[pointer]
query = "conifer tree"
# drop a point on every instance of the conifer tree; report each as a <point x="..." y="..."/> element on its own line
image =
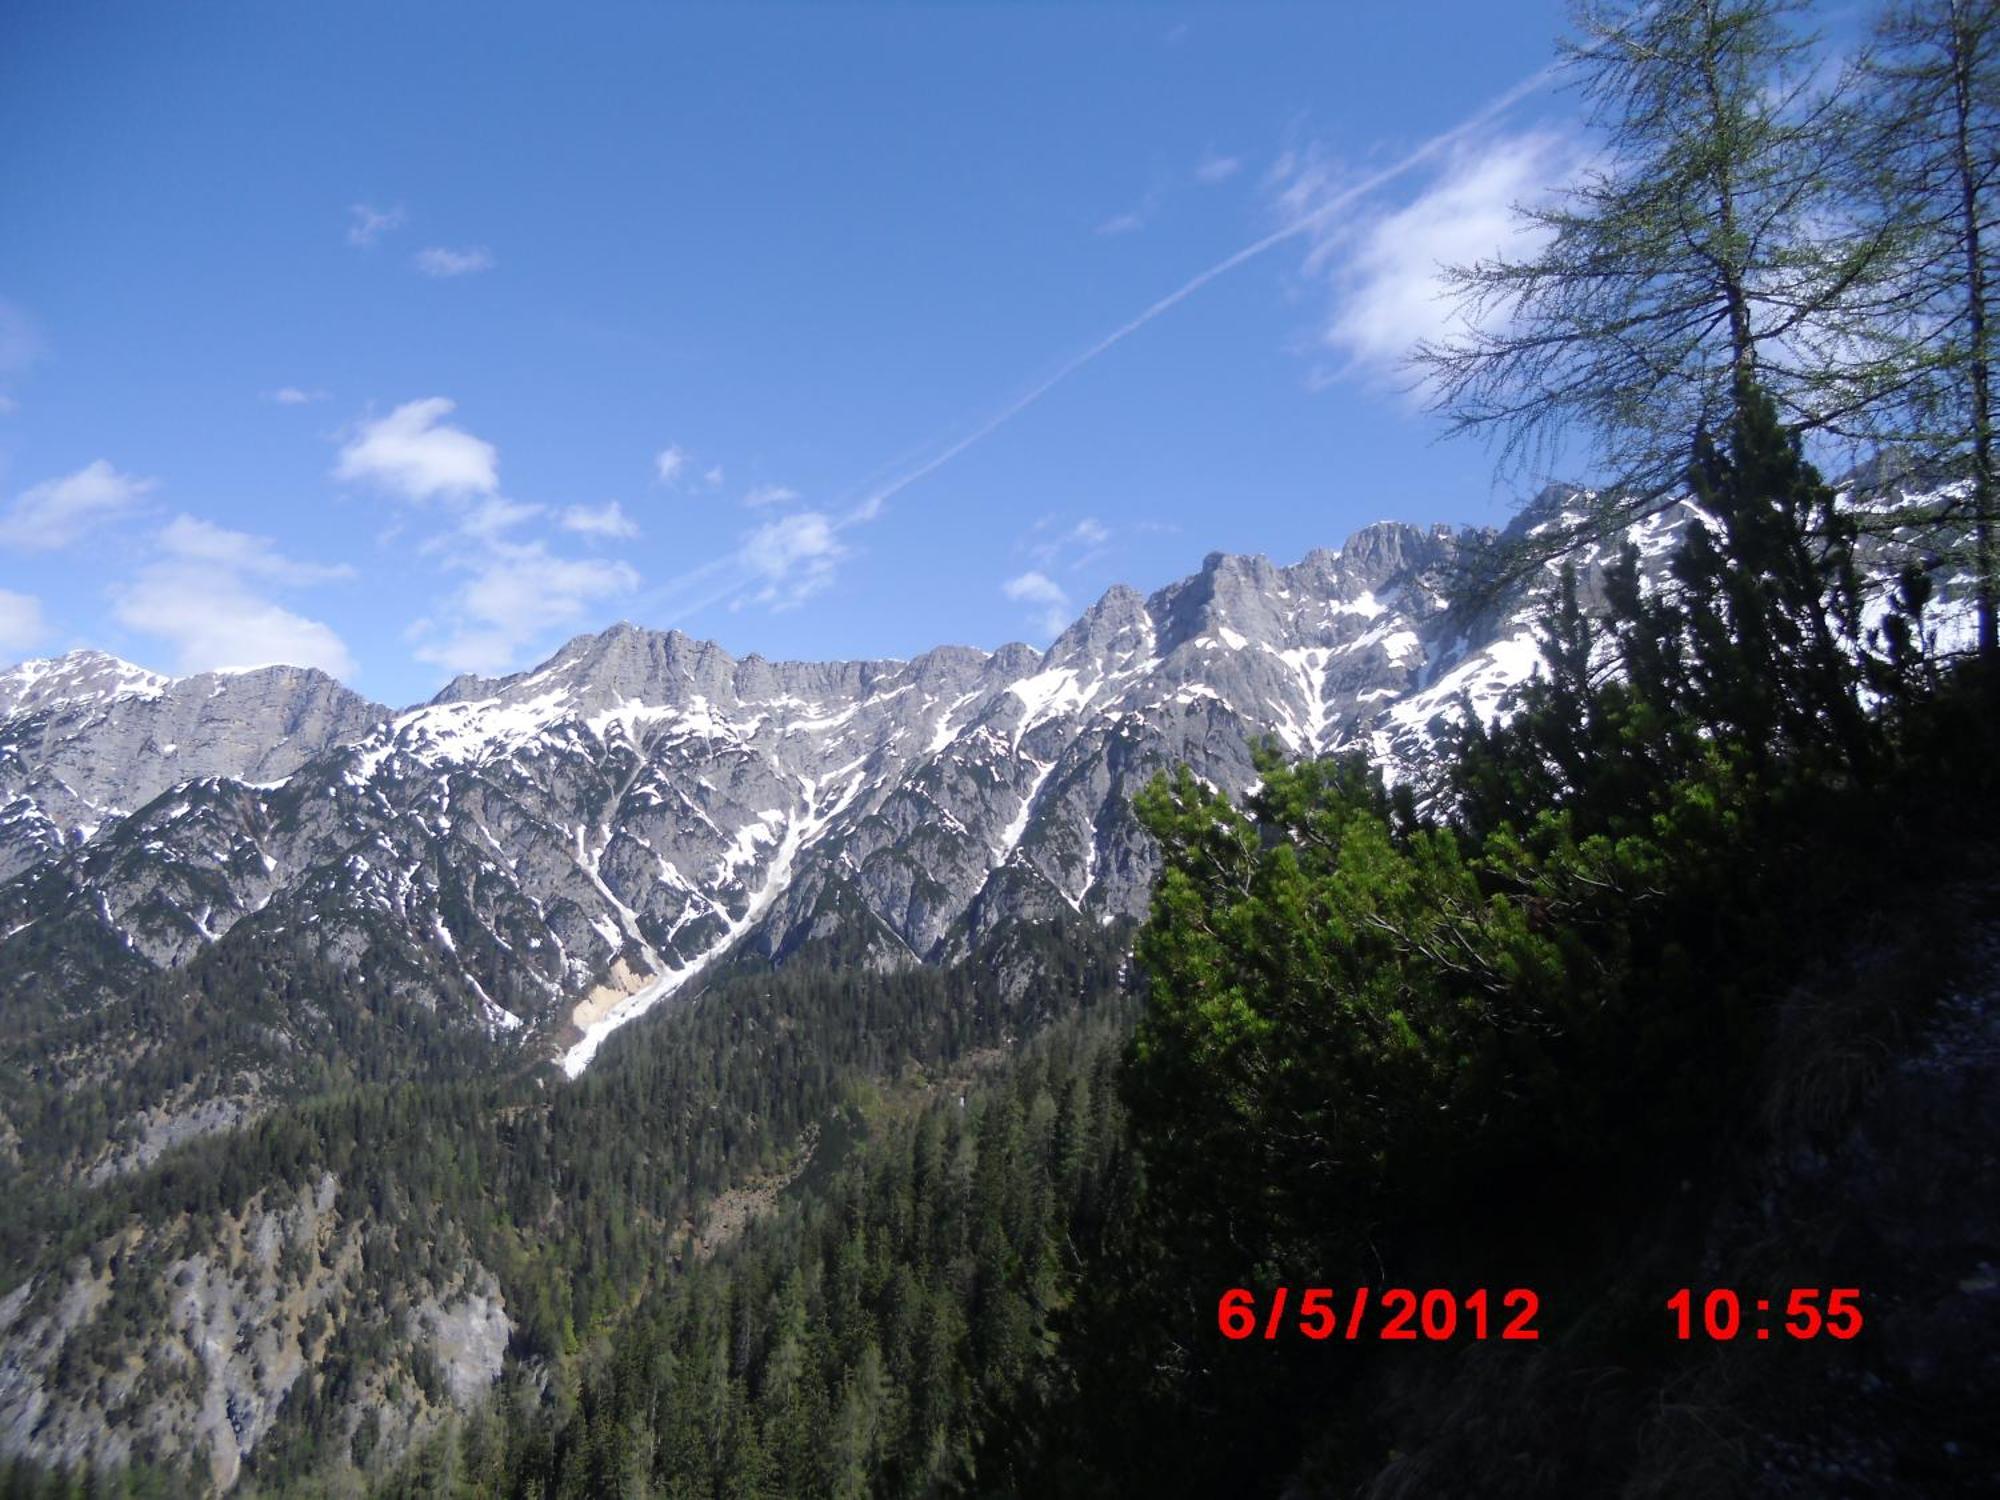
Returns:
<point x="1706" y="245"/>
<point x="1928" y="160"/>
<point x="1756" y="652"/>
<point x="1772" y="607"/>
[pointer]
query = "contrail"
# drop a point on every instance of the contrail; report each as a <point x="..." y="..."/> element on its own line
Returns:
<point x="870" y="507"/>
<point x="653" y="598"/>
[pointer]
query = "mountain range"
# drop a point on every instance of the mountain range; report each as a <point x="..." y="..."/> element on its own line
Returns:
<point x="242" y="897"/>
<point x="547" y="855"/>
<point x="564" y="848"/>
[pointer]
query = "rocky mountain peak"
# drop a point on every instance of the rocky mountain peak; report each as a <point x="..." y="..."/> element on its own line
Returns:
<point x="947" y="666"/>
<point x="581" y="840"/>
<point x="1114" y="631"/>
<point x="84" y="676"/>
<point x="87" y="738"/>
<point x="1389" y="551"/>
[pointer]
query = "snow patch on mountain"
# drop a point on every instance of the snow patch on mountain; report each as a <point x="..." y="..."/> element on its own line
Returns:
<point x="800" y="831"/>
<point x="600" y="831"/>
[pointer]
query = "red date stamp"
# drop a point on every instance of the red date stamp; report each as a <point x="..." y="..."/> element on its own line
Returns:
<point x="1396" y="1314"/>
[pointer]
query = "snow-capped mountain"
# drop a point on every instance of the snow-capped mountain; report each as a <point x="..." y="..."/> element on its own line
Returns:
<point x="557" y="851"/>
<point x="87" y="738"/>
<point x="236" y="892"/>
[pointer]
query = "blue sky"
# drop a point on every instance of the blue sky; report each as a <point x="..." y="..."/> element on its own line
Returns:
<point x="407" y="340"/>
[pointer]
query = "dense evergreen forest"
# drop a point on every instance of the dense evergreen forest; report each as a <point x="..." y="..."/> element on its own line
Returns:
<point x="576" y="1197"/>
<point x="1679" y="976"/>
<point x="1672" y="920"/>
<point x="1544" y="1026"/>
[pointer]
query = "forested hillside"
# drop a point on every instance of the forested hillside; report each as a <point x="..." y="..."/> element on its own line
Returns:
<point x="1613" y="981"/>
<point x="1699" y="960"/>
<point x="411" y="1234"/>
<point x="1677" y="973"/>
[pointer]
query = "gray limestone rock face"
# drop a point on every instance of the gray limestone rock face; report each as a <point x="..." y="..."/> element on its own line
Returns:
<point x="560" y="848"/>
<point x="529" y="862"/>
<point x="86" y="739"/>
<point x="623" y="813"/>
<point x="240" y="1321"/>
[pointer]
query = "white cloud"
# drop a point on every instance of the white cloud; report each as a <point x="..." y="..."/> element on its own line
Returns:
<point x="793" y="558"/>
<point x="518" y="591"/>
<point x="713" y="478"/>
<point x="515" y="590"/>
<point x="411" y="452"/>
<point x="1035" y="588"/>
<point x="497" y="516"/>
<point x="366" y="224"/>
<point x="292" y="395"/>
<point x="770" y="494"/>
<point x="669" y="462"/>
<point x="1383" y="270"/>
<point x="530" y="586"/>
<point x="1213" y="167"/>
<point x="1325" y="207"/>
<point x="1073" y="545"/>
<point x="608" y="521"/>
<point x="212" y="628"/>
<point x="8" y="405"/>
<point x="438" y="260"/>
<point x="205" y="595"/>
<point x="21" y="627"/>
<point x="1140" y="215"/>
<point x="58" y="511"/>
<point x="191" y="539"/>
<point x="1050" y="600"/>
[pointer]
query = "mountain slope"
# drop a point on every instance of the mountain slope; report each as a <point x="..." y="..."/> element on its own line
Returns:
<point x="548" y="855"/>
<point x="86" y="738"/>
<point x="353" y="977"/>
<point x="579" y="841"/>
